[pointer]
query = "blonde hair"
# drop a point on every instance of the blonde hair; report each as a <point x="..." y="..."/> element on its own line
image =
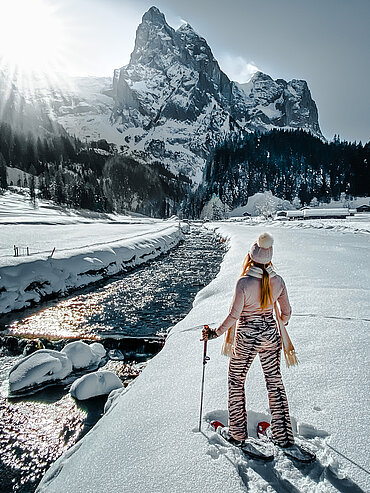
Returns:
<point x="266" y="294"/>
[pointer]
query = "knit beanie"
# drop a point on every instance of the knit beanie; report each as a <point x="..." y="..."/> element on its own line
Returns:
<point x="261" y="250"/>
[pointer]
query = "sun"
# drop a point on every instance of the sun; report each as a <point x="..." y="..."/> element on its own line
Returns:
<point x="32" y="36"/>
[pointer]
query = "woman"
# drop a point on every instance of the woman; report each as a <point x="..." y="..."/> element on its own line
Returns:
<point x="258" y="288"/>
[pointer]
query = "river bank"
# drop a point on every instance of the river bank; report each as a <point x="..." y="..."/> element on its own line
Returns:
<point x="152" y="430"/>
<point x="126" y="313"/>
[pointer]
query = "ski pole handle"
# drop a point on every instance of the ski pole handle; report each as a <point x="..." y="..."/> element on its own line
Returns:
<point x="207" y="328"/>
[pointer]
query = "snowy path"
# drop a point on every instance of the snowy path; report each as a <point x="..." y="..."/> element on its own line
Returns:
<point x="148" y="440"/>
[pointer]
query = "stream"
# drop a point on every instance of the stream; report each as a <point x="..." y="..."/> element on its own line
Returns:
<point x="132" y="312"/>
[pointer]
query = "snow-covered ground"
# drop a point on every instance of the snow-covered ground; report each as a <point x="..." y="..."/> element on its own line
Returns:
<point x="17" y="208"/>
<point x="88" y="246"/>
<point x="149" y="441"/>
<point x="266" y="203"/>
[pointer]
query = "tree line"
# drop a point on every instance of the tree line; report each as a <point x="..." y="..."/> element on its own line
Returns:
<point x="91" y="175"/>
<point x="293" y="165"/>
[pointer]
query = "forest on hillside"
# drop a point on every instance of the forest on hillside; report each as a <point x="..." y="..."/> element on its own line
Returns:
<point x="293" y="165"/>
<point x="91" y="175"/>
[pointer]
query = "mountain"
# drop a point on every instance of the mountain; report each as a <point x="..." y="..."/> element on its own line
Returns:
<point x="278" y="103"/>
<point x="172" y="102"/>
<point x="19" y="109"/>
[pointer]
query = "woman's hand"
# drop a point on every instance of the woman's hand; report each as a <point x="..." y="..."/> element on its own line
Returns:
<point x="208" y="333"/>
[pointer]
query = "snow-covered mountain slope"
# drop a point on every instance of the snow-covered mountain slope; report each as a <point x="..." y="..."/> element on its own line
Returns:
<point x="172" y="102"/>
<point x="81" y="105"/>
<point x="149" y="439"/>
<point x="173" y="99"/>
<point x="21" y="109"/>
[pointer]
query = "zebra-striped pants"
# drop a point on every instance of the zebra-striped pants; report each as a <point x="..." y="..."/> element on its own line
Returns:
<point x="258" y="336"/>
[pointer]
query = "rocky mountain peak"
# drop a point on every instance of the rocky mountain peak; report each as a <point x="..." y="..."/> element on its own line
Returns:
<point x="173" y="101"/>
<point x="153" y="36"/>
<point x="155" y="16"/>
<point x="260" y="76"/>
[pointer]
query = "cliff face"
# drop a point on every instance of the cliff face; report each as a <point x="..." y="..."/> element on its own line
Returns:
<point x="173" y="101"/>
<point x="280" y="103"/>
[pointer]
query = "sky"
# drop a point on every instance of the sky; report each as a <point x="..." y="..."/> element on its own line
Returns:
<point x="325" y="42"/>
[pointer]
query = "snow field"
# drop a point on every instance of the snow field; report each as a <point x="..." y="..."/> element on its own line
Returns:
<point x="31" y="280"/>
<point x="152" y="429"/>
<point x="17" y="208"/>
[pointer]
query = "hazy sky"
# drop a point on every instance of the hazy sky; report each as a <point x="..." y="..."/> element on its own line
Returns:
<point x="325" y="42"/>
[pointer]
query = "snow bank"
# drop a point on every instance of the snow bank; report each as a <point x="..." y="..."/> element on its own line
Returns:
<point x="94" y="384"/>
<point x="29" y="282"/>
<point x="152" y="428"/>
<point x="83" y="355"/>
<point x="43" y="367"/>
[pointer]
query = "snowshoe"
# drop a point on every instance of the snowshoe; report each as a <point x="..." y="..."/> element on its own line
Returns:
<point x="224" y="432"/>
<point x="293" y="451"/>
<point x="252" y="448"/>
<point x="258" y="449"/>
<point x="298" y="453"/>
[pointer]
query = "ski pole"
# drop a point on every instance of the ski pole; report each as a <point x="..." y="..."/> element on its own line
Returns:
<point x="205" y="359"/>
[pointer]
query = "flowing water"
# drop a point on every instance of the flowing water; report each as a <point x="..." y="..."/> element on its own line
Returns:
<point x="126" y="312"/>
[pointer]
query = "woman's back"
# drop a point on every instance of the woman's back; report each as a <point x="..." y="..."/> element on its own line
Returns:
<point x="247" y="301"/>
<point x="251" y="290"/>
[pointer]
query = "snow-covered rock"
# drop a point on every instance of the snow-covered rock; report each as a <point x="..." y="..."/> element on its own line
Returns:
<point x="83" y="355"/>
<point x="41" y="368"/>
<point x="94" y="384"/>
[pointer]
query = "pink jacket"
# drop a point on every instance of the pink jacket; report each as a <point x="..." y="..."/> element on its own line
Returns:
<point x="246" y="302"/>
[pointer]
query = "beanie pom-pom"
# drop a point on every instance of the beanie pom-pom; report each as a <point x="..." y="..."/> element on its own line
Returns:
<point x="265" y="240"/>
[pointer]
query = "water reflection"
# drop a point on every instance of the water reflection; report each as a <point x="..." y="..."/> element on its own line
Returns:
<point x="140" y="303"/>
<point x="35" y="431"/>
<point x="33" y="435"/>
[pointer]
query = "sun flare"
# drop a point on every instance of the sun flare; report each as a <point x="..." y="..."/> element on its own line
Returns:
<point x="32" y="36"/>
